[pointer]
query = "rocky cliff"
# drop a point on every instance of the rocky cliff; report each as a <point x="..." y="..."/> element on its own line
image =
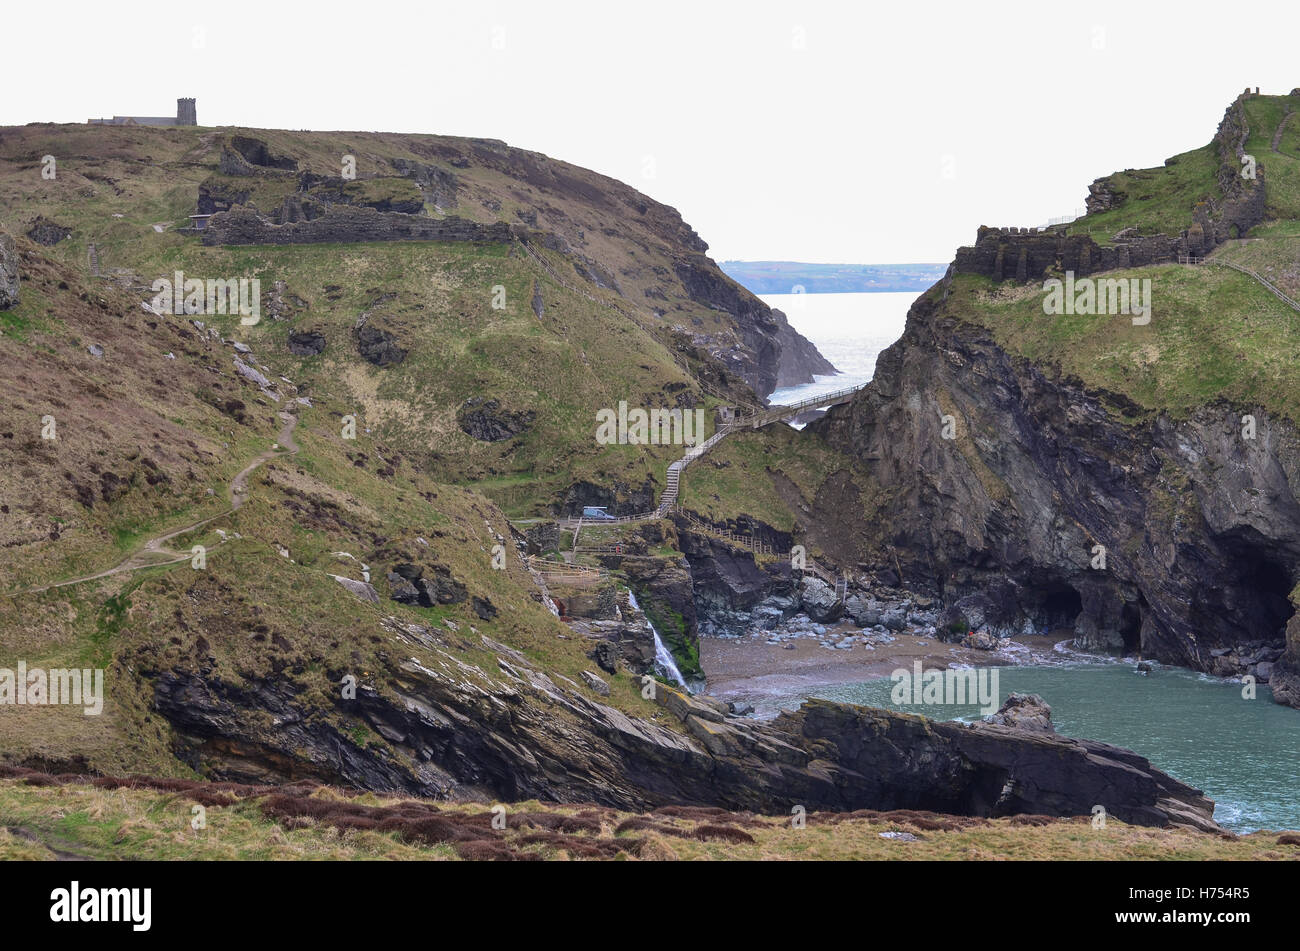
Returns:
<point x="1200" y="527"/>
<point x="1152" y="508"/>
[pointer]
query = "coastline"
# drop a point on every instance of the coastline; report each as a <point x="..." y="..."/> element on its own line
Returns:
<point x="769" y="677"/>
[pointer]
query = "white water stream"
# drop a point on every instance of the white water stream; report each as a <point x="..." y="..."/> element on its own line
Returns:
<point x="663" y="656"/>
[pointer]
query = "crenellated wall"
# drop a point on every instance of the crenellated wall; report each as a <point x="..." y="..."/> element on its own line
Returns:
<point x="1026" y="254"/>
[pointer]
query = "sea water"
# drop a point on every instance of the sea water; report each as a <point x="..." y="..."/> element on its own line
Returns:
<point x="1244" y="754"/>
<point x="850" y="330"/>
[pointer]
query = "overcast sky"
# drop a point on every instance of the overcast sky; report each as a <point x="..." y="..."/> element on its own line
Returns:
<point x="814" y="131"/>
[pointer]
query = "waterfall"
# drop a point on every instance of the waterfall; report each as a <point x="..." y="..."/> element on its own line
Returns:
<point x="663" y="656"/>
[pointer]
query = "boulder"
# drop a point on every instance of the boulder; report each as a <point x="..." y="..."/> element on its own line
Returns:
<point x="379" y="346"/>
<point x="819" y="599"/>
<point x="1025" y="711"/>
<point x="606" y="655"/>
<point x="46" y="232"/>
<point x="363" y="590"/>
<point x="864" y="610"/>
<point x="984" y="641"/>
<point x="595" y="683"/>
<point x="403" y="591"/>
<point x="306" y="343"/>
<point x="894" y="617"/>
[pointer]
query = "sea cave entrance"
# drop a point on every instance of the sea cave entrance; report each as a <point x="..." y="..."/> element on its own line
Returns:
<point x="1130" y="624"/>
<point x="1058" y="607"/>
<point x="1264" y="586"/>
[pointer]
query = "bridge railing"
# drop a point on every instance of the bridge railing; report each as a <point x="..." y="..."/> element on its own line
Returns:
<point x="784" y="411"/>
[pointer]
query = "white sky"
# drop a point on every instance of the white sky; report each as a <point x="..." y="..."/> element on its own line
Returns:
<point x="815" y="131"/>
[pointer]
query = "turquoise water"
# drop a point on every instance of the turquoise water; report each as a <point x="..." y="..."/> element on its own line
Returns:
<point x="1243" y="754"/>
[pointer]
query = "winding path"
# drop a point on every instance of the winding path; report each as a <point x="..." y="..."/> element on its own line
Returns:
<point x="237" y="494"/>
<point x="757" y="420"/>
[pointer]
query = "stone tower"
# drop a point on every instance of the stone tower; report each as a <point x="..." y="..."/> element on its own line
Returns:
<point x="185" y="112"/>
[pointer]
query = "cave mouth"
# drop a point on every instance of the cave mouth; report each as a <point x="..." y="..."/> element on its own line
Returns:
<point x="1265" y="586"/>
<point x="1130" y="625"/>
<point x="1058" y="607"/>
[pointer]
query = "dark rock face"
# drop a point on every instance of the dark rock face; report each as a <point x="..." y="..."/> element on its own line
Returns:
<point x="438" y="185"/>
<point x="485" y="420"/>
<point x="773" y="353"/>
<point x="606" y="655"/>
<point x="217" y="196"/>
<point x="622" y="635"/>
<point x="1284" y="678"/>
<point x="728" y="584"/>
<point x="8" y="272"/>
<point x="1200" y="527"/>
<point x="542" y="537"/>
<point x="618" y="499"/>
<point x="403" y="590"/>
<point x="1243" y="203"/>
<point x="306" y="343"/>
<point x="47" y="232"/>
<point x="348" y="224"/>
<point x="379" y="346"/>
<point x="410" y="584"/>
<point x="502" y="736"/>
<point x="334" y="191"/>
<point x="244" y="155"/>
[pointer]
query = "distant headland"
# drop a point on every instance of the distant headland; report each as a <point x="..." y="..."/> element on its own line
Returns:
<point x="787" y="277"/>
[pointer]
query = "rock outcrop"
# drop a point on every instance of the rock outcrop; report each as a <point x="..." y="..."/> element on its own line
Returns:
<point x="306" y="343"/>
<point x="486" y="421"/>
<point x="46" y="232"/>
<point x="244" y="156"/>
<point x="8" y="272"/>
<point x="379" y="347"/>
<point x="773" y="354"/>
<point x="1025" y="711"/>
<point x="348" y="223"/>
<point x="520" y="735"/>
